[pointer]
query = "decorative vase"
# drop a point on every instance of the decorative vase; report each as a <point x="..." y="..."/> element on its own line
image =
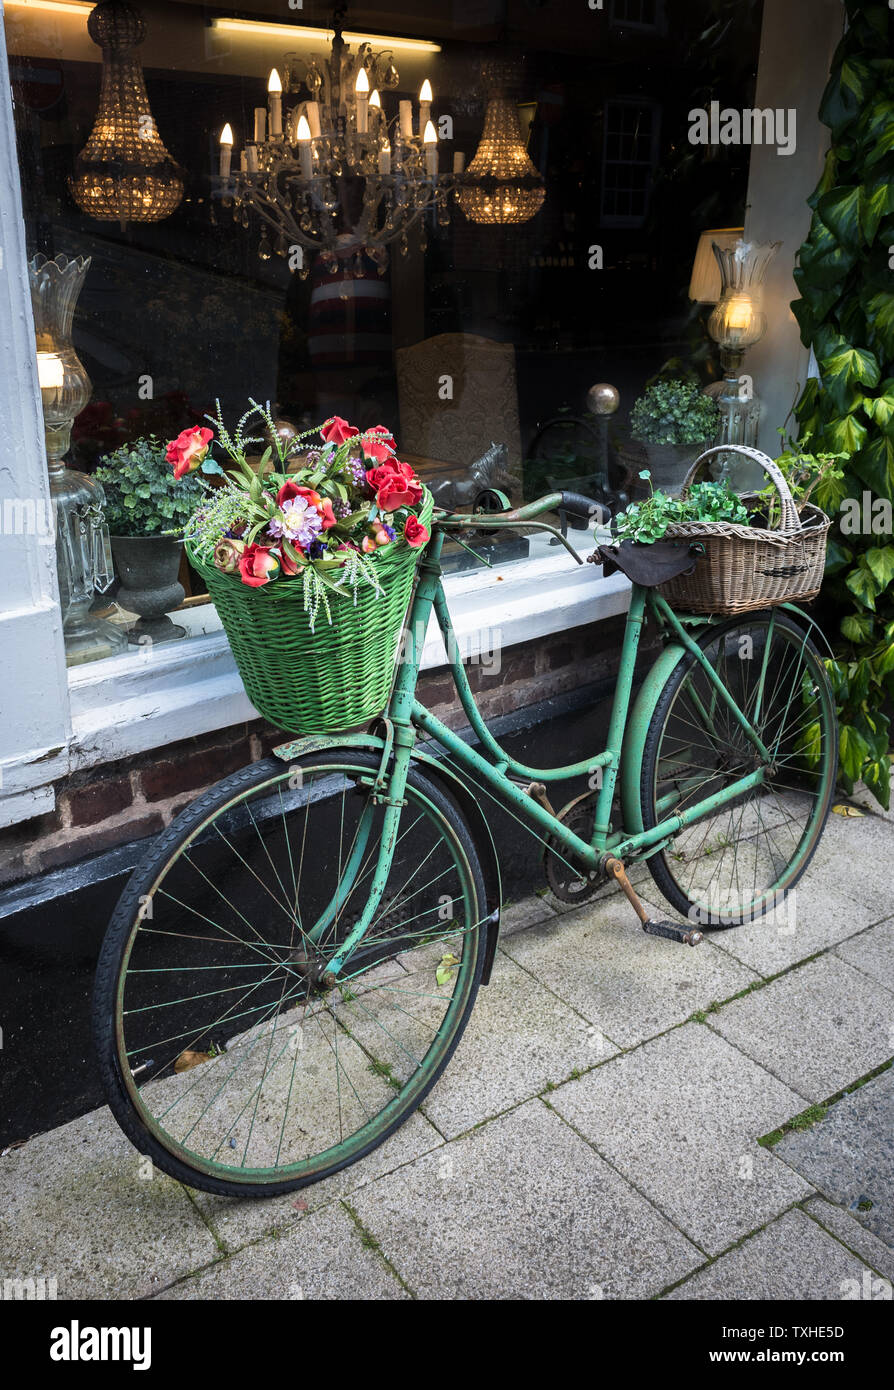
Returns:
<point x="83" y="555"/>
<point x="148" y="568"/>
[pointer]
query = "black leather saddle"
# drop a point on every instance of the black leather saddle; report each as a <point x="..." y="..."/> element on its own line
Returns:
<point x="648" y="565"/>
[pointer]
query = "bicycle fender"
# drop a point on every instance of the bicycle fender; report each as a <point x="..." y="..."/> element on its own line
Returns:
<point x="479" y="828"/>
<point x="635" y="735"/>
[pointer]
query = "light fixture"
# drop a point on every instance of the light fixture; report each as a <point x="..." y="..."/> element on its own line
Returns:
<point x="83" y="550"/>
<point x="704" y="283"/>
<point x="501" y="185"/>
<point x="736" y="323"/>
<point x="124" y="172"/>
<point x="56" y="6"/>
<point x="306" y="34"/>
<point x="327" y="171"/>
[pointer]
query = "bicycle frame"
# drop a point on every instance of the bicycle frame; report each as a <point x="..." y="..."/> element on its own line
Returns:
<point x="405" y="714"/>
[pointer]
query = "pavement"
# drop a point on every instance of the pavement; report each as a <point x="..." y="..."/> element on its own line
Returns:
<point x="625" y="1118"/>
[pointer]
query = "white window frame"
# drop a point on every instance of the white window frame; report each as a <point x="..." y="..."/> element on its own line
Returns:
<point x="628" y="220"/>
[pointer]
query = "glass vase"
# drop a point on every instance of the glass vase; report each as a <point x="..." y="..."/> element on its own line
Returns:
<point x="83" y="550"/>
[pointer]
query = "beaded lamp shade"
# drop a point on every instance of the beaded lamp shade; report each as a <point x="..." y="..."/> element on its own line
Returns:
<point x="501" y="185"/>
<point x="124" y="173"/>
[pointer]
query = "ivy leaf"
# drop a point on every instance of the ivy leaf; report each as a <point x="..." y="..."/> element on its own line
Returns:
<point x="863" y="585"/>
<point x="877" y="776"/>
<point x="881" y="408"/>
<point x="876" y="201"/>
<point x="879" y="310"/>
<point x="845" y="436"/>
<point x="824" y="260"/>
<point x="880" y="559"/>
<point x="840" y="211"/>
<point x="878" y="125"/>
<point x="853" y="751"/>
<point x="846" y="368"/>
<point x="838" y="557"/>
<point x="857" y="627"/>
<point x="875" y="466"/>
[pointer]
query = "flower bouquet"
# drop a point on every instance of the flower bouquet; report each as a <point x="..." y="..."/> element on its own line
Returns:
<point x="310" y="566"/>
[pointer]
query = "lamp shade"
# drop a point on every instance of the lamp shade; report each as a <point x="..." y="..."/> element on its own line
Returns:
<point x="704" y="286"/>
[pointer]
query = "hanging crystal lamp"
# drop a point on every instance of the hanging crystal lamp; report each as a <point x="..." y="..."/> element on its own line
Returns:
<point x="124" y="173"/>
<point x="501" y="185"/>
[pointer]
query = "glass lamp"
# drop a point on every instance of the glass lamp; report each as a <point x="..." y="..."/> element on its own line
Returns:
<point x="501" y="185"/>
<point x="737" y="321"/>
<point x="83" y="549"/>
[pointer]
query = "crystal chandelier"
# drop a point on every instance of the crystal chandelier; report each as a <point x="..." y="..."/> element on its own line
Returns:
<point x="501" y="185"/>
<point x="124" y="173"/>
<point x="330" y="167"/>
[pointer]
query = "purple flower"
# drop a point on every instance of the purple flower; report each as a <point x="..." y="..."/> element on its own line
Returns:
<point x="296" y="521"/>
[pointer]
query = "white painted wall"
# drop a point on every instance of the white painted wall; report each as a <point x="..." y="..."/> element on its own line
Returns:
<point x="798" y="39"/>
<point x="34" y="719"/>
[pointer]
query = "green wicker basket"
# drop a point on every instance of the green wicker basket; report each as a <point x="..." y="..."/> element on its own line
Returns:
<point x="334" y="678"/>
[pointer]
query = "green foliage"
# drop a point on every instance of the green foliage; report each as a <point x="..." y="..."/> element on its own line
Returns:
<point x="806" y="474"/>
<point x="143" y="498"/>
<point x="846" y="313"/>
<point x="648" y="521"/>
<point x="674" y="411"/>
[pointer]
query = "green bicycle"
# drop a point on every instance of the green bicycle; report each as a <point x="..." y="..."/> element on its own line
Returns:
<point x="292" y="965"/>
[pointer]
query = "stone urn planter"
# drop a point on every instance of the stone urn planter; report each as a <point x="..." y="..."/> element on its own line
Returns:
<point x="669" y="464"/>
<point x="148" y="567"/>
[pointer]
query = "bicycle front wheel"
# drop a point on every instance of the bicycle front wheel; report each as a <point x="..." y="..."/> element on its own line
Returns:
<point x="739" y="862"/>
<point x="226" y="1057"/>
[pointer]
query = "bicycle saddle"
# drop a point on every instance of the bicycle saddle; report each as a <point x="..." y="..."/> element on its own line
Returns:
<point x="648" y="565"/>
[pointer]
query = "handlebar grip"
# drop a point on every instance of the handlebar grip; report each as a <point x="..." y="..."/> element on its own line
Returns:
<point x="584" y="508"/>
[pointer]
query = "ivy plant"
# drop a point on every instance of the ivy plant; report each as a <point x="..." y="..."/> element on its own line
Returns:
<point x="143" y="498"/>
<point x="845" y="278"/>
<point x="648" y="521"/>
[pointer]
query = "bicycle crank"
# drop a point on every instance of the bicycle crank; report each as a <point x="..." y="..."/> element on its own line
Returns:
<point x="674" y="931"/>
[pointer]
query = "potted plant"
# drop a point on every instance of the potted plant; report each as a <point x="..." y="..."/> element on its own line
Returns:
<point x="675" y="421"/>
<point x="147" y="509"/>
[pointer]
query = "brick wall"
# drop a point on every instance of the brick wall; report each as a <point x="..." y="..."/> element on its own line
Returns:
<point x="118" y="802"/>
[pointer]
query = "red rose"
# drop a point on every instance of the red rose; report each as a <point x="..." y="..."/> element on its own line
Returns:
<point x="289" y="566"/>
<point x="336" y="430"/>
<point x="379" y="448"/>
<point x="188" y="450"/>
<point x="395" y="485"/>
<point x="415" y="533"/>
<point x="258" y="565"/>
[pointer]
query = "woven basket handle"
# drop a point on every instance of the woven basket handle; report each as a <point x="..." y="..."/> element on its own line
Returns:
<point x="789" y="520"/>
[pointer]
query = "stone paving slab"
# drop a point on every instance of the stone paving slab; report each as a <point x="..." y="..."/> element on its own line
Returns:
<point x="323" y="1257"/>
<point x="238" y="1220"/>
<point x="818" y="913"/>
<point x="849" y="1156"/>
<point x="792" y="1258"/>
<point x="818" y="1028"/>
<point x="629" y="985"/>
<point x="521" y="1208"/>
<point x="679" y="1117"/>
<point x="73" y="1206"/>
<point x="873" y="953"/>
<point x="520" y="1037"/>
<point x="842" y="1225"/>
<point x="855" y="853"/>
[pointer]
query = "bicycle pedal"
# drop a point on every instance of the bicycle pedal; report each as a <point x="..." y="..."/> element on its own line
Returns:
<point x="673" y="931"/>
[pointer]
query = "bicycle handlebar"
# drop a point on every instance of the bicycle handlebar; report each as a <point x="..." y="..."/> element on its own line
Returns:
<point x="574" y="503"/>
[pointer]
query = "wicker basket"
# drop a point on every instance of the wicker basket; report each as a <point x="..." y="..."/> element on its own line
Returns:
<point x="324" y="681"/>
<point x="748" y="567"/>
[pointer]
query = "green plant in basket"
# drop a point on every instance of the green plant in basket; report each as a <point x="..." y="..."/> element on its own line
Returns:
<point x="807" y="475"/>
<point x="324" y="525"/>
<point x="649" y="520"/>
<point x="142" y="496"/>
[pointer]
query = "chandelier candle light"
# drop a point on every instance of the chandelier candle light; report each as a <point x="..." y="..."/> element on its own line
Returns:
<point x="290" y="176"/>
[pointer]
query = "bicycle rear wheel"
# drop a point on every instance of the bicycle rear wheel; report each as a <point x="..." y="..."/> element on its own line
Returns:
<point x="225" y="1056"/>
<point x="740" y="861"/>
